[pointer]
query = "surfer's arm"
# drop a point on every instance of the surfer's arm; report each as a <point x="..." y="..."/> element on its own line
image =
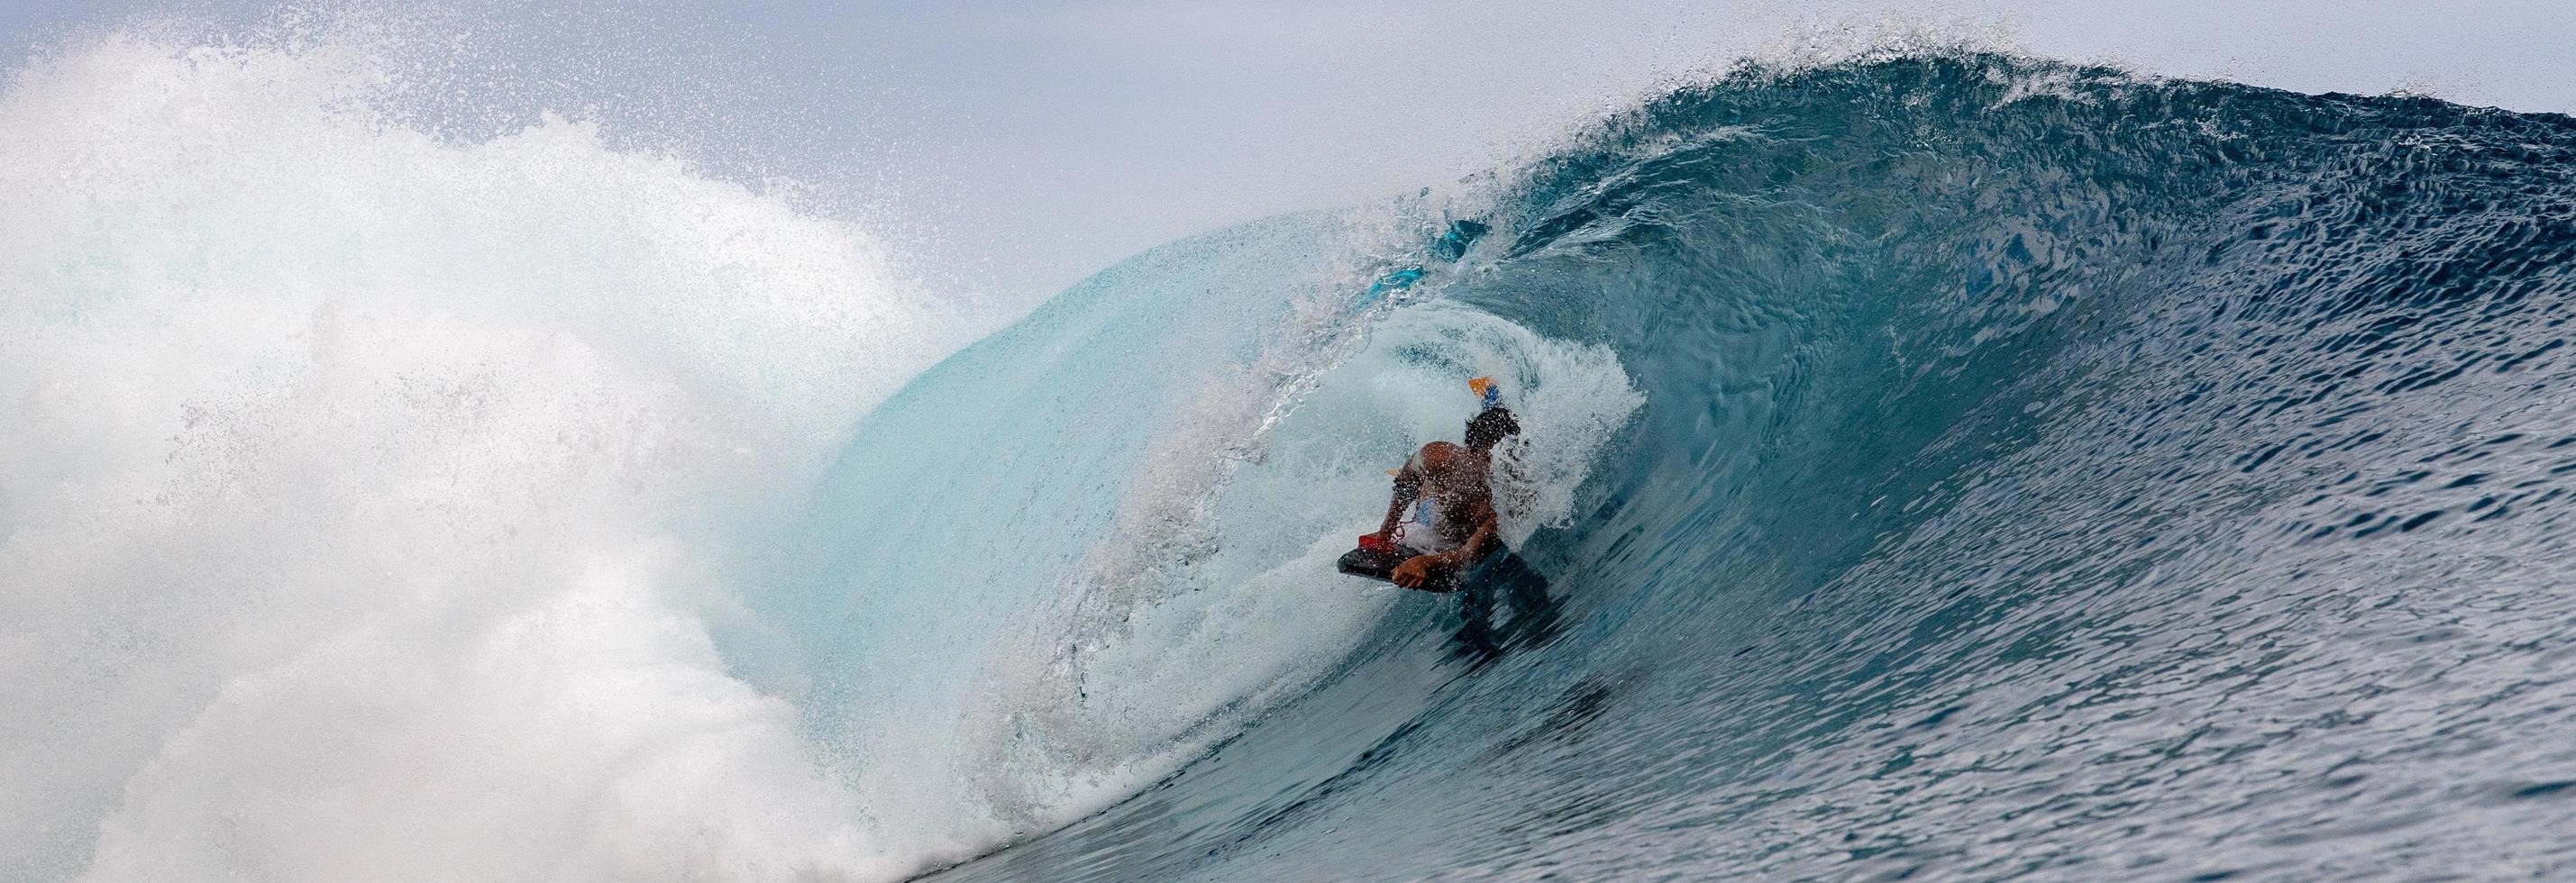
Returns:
<point x="1477" y="544"/>
<point x="1407" y="487"/>
<point x="1417" y="572"/>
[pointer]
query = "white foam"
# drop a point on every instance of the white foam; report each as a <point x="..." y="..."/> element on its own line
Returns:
<point x="1217" y="599"/>
<point x="339" y="476"/>
<point x="347" y="473"/>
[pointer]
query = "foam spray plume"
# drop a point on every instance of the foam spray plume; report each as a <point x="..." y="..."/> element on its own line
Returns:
<point x="349" y="480"/>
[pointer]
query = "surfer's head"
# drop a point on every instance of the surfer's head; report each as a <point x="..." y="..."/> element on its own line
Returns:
<point x="1489" y="428"/>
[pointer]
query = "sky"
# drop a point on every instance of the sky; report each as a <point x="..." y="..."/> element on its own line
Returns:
<point x="1010" y="149"/>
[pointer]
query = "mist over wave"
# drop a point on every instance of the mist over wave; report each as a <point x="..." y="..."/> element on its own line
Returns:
<point x="358" y="488"/>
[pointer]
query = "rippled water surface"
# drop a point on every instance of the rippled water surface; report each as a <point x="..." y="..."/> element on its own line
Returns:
<point x="2041" y="472"/>
<point x="1936" y="466"/>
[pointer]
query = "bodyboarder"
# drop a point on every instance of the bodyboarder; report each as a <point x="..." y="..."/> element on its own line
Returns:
<point x="1440" y="520"/>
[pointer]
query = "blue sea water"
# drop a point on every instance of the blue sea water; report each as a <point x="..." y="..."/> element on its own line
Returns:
<point x="2033" y="471"/>
<point x="1939" y="466"/>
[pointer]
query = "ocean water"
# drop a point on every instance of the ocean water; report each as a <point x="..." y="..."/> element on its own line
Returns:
<point x="1941" y="465"/>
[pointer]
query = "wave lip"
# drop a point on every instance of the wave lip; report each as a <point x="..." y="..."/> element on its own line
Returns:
<point x="1942" y="462"/>
<point x="2043" y="471"/>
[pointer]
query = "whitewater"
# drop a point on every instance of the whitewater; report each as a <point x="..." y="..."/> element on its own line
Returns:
<point x="1940" y="463"/>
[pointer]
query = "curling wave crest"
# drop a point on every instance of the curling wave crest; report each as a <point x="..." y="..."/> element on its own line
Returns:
<point x="1939" y="463"/>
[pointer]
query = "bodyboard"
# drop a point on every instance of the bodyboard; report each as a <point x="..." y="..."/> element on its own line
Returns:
<point x="1374" y="565"/>
<point x="1381" y="566"/>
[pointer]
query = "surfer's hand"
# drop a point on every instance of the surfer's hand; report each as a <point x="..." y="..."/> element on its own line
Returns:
<point x="1414" y="571"/>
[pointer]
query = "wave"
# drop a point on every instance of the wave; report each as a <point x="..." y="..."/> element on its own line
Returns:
<point x="2041" y="471"/>
<point x="1946" y="462"/>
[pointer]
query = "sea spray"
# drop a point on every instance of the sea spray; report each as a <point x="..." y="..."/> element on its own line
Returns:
<point x="353" y="484"/>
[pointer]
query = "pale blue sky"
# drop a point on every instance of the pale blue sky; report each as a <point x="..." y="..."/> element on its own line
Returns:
<point x="1021" y="146"/>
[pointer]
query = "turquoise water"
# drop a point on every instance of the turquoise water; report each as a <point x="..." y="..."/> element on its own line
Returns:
<point x="2028" y="470"/>
<point x="1939" y="466"/>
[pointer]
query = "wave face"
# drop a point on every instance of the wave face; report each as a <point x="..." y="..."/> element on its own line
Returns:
<point x="2040" y="471"/>
<point x="1949" y="465"/>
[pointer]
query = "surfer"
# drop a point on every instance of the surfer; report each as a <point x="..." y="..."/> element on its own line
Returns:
<point x="1440" y="519"/>
<point x="1441" y="534"/>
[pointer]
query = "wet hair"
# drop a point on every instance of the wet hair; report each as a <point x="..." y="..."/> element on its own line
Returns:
<point x="1491" y="427"/>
